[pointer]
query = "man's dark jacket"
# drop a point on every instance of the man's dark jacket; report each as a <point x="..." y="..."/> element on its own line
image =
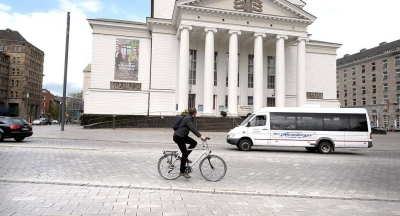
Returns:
<point x="185" y="126"/>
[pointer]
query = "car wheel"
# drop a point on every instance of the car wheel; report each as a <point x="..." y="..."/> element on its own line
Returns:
<point x="245" y="145"/>
<point x="325" y="148"/>
<point x="19" y="139"/>
<point x="1" y="137"/>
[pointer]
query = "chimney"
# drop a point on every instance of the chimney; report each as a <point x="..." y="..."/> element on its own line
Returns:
<point x="346" y="55"/>
<point x="363" y="49"/>
<point x="383" y="43"/>
<point x="8" y="30"/>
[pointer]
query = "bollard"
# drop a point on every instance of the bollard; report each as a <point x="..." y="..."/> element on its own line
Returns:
<point x="113" y="121"/>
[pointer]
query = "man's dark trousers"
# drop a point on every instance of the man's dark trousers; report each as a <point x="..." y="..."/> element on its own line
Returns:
<point x="181" y="141"/>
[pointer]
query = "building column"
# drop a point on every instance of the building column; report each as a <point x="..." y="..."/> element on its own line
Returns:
<point x="209" y="72"/>
<point x="183" y="90"/>
<point x="258" y="95"/>
<point x="233" y="72"/>
<point x="301" y="71"/>
<point x="280" y="93"/>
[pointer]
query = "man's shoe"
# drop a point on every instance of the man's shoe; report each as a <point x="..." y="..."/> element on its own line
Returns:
<point x="189" y="161"/>
<point x="185" y="175"/>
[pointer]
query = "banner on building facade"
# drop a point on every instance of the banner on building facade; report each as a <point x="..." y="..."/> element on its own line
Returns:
<point x="126" y="59"/>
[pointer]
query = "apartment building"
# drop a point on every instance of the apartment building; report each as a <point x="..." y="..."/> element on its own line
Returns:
<point x="23" y="67"/>
<point x="371" y="79"/>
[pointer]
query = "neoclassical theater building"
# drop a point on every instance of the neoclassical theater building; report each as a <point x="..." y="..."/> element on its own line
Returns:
<point x="211" y="55"/>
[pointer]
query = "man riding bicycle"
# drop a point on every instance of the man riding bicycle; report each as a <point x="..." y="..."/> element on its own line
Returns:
<point x="181" y="138"/>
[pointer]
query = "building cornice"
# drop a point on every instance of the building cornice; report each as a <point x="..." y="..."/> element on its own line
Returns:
<point x="117" y="24"/>
<point x="160" y="23"/>
<point x="368" y="59"/>
<point x="237" y="14"/>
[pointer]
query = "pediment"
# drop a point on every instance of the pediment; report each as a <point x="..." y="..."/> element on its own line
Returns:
<point x="281" y="8"/>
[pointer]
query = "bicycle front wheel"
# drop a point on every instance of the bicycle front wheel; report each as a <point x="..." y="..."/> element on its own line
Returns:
<point x="169" y="167"/>
<point x="213" y="168"/>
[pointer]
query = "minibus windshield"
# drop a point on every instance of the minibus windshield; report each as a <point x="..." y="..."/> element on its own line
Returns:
<point x="247" y="120"/>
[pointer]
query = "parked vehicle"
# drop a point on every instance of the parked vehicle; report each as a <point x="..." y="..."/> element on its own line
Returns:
<point x="46" y="121"/>
<point x="316" y="129"/>
<point x="53" y="121"/>
<point x="38" y="122"/>
<point x="379" y="130"/>
<point x="14" y="128"/>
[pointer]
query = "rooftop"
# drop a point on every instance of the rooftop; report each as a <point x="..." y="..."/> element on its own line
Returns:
<point x="368" y="53"/>
<point x="10" y="35"/>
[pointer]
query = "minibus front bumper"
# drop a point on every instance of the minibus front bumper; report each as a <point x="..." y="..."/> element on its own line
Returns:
<point x="232" y="140"/>
<point x="370" y="144"/>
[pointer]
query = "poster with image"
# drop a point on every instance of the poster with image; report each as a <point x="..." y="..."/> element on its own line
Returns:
<point x="126" y="59"/>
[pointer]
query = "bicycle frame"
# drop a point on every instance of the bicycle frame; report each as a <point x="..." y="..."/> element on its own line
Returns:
<point x="206" y="153"/>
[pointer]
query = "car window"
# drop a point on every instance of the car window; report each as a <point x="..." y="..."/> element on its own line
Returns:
<point x="3" y="120"/>
<point x="19" y="121"/>
<point x="259" y="120"/>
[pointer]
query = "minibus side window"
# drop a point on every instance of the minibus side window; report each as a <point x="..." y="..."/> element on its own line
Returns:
<point x="336" y="122"/>
<point x="358" y="122"/>
<point x="283" y="121"/>
<point x="310" y="121"/>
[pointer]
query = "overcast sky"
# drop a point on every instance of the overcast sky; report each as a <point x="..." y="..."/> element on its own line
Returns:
<point x="356" y="24"/>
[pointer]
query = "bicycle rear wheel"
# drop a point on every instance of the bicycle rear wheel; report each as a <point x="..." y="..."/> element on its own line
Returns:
<point x="169" y="167"/>
<point x="213" y="168"/>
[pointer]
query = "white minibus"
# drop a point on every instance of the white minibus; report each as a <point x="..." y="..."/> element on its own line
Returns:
<point x="316" y="129"/>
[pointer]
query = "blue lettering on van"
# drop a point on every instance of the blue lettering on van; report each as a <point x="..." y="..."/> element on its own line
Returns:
<point x="294" y="135"/>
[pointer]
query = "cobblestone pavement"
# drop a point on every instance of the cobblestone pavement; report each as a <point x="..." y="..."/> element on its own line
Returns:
<point x="111" y="172"/>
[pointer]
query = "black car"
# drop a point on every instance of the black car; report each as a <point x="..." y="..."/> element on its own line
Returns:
<point x="14" y="127"/>
<point x="378" y="130"/>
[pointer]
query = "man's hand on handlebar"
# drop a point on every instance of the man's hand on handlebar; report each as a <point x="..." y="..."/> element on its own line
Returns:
<point x="203" y="138"/>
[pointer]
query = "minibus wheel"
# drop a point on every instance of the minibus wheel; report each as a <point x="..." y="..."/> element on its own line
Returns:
<point x="245" y="145"/>
<point x="324" y="148"/>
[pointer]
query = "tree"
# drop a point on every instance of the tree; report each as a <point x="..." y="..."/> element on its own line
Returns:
<point x="77" y="95"/>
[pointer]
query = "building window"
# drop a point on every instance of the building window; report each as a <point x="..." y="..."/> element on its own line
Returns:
<point x="373" y="78"/>
<point x="12" y="83"/>
<point x="354" y="102"/>
<point x="214" y="101"/>
<point x="384" y="75"/>
<point x="354" y="91"/>
<point x="373" y="100"/>
<point x="374" y="89"/>
<point x="271" y="72"/>
<point x="249" y="100"/>
<point x="16" y="94"/>
<point x="397" y="60"/>
<point x="345" y="83"/>
<point x="345" y="103"/>
<point x="15" y="48"/>
<point x="270" y="102"/>
<point x="363" y="79"/>
<point x="215" y="69"/>
<point x="226" y="101"/>
<point x="397" y="121"/>
<point x="250" y="76"/>
<point x="192" y="66"/>
<point x="363" y="101"/>
<point x="385" y="121"/>
<point x="11" y="94"/>
<point x="398" y="73"/>
<point x="14" y="60"/>
<point x="13" y="71"/>
<point x="345" y="92"/>
<point x="373" y="66"/>
<point x="19" y="49"/>
<point x="385" y="87"/>
<point x="375" y="119"/>
<point x="363" y="90"/>
<point x="345" y="73"/>
<point x="362" y="68"/>
<point x="18" y="60"/>
<point x="398" y="86"/>
<point x="354" y="81"/>
<point x="384" y="63"/>
<point x="353" y="71"/>
<point x="337" y="94"/>
<point x="43" y="104"/>
<point x="16" y="83"/>
<point x="17" y="71"/>
<point x="43" y="98"/>
<point x="191" y="101"/>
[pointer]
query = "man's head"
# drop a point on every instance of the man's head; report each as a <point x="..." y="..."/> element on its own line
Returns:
<point x="192" y="112"/>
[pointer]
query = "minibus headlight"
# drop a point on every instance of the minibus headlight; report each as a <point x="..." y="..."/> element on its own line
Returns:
<point x="231" y="135"/>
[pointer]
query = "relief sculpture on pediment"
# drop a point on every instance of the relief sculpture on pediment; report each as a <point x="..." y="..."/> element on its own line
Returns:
<point x="248" y="5"/>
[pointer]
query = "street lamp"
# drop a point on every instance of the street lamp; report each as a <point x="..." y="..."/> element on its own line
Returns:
<point x="27" y="104"/>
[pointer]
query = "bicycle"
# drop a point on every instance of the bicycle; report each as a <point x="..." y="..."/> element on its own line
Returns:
<point x="212" y="167"/>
